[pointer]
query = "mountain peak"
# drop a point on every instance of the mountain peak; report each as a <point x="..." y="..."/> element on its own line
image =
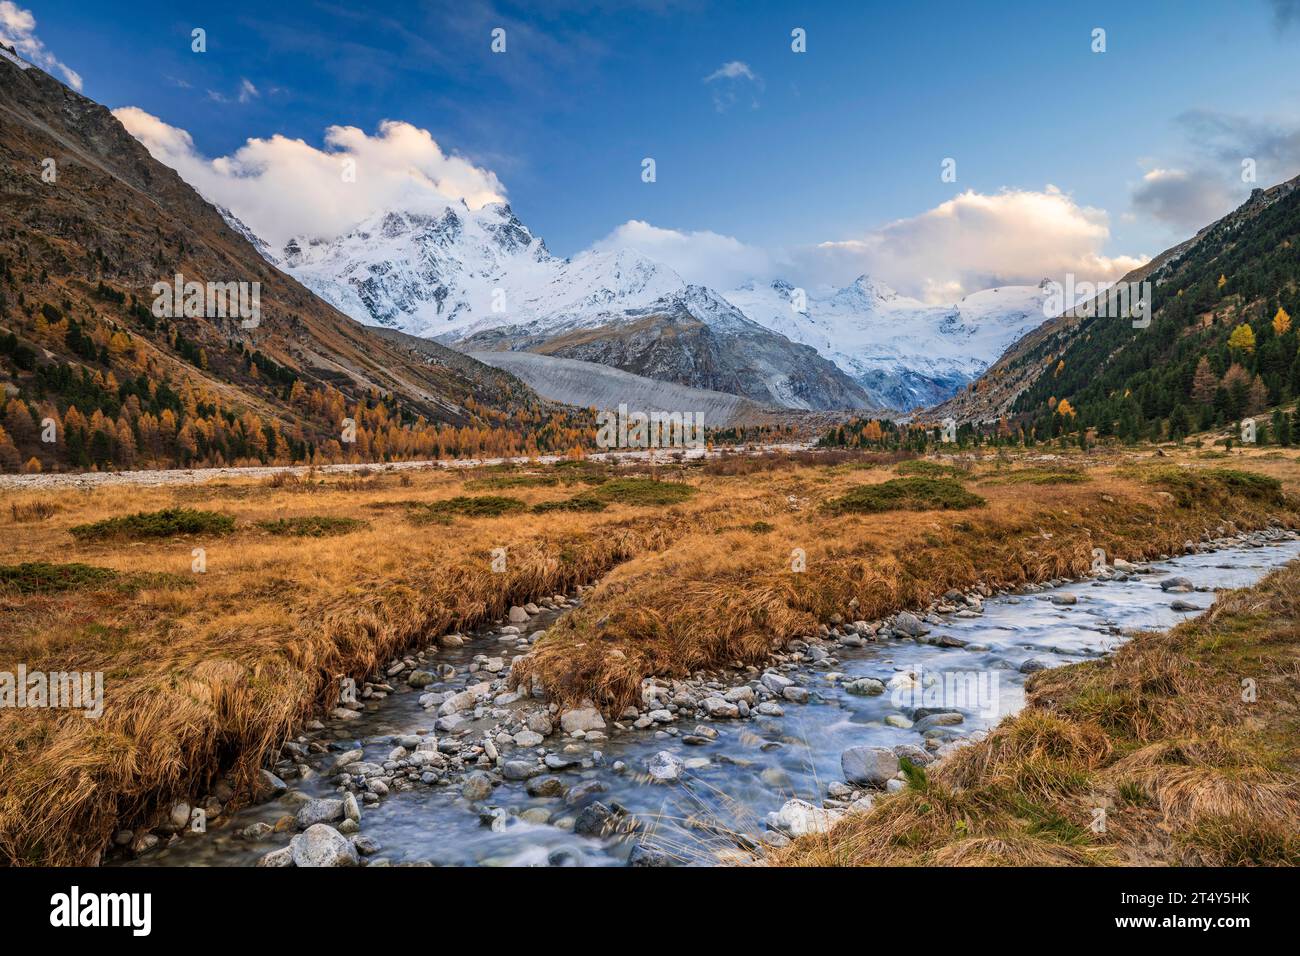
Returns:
<point x="866" y="291"/>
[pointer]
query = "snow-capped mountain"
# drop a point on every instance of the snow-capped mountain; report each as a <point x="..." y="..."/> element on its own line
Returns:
<point x="481" y="280"/>
<point x="905" y="353"/>
<point x="450" y="275"/>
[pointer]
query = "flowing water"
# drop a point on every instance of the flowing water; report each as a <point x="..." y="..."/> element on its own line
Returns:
<point x="754" y="765"/>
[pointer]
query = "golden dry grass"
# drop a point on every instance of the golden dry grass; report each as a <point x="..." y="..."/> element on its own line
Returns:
<point x="210" y="676"/>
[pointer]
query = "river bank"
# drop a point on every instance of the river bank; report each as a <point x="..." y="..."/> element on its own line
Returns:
<point x="445" y="764"/>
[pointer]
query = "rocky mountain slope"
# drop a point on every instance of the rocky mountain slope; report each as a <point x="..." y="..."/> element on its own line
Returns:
<point x="81" y="248"/>
<point x="693" y="338"/>
<point x="588" y="385"/>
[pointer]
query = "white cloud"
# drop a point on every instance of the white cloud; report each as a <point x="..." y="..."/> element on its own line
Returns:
<point x="972" y="242"/>
<point x="977" y="241"/>
<point x="283" y="187"/>
<point x="247" y="92"/>
<point x="18" y="30"/>
<point x="735" y="69"/>
<point x="703" y="257"/>
<point x="732" y="80"/>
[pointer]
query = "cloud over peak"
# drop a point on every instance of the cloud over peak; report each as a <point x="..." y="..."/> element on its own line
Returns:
<point x="981" y="240"/>
<point x="282" y="187"/>
<point x="971" y="242"/>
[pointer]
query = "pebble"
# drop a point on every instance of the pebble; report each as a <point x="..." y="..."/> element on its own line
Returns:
<point x="663" y="767"/>
<point x="549" y="786"/>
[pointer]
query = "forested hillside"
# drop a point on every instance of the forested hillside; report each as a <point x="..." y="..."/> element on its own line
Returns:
<point x="92" y="377"/>
<point x="1222" y="343"/>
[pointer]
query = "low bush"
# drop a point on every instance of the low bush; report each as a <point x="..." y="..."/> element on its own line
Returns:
<point x="155" y="524"/>
<point x="42" y="577"/>
<point x="465" y="506"/>
<point x="930" y="469"/>
<point x="910" y="494"/>
<point x="311" y="526"/>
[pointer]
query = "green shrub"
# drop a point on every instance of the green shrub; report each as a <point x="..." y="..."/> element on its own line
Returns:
<point x="911" y="494"/>
<point x="464" y="506"/>
<point x="1039" y="476"/>
<point x="311" y="526"/>
<point x="155" y="524"/>
<point x="41" y="577"/>
<point x="930" y="469"/>
<point x="576" y="503"/>
<point x="1192" y="486"/>
<point x="640" y="492"/>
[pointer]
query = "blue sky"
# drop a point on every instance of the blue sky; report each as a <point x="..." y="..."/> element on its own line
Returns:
<point x="795" y="149"/>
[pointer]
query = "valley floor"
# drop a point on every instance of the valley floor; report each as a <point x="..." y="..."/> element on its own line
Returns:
<point x="224" y="623"/>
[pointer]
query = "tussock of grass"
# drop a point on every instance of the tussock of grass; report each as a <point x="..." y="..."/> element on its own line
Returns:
<point x="1040" y="755"/>
<point x="38" y="510"/>
<point x="311" y="526"/>
<point x="155" y="524"/>
<point x="500" y="482"/>
<point x="314" y="482"/>
<point x="737" y="464"/>
<point x="1239" y="841"/>
<point x="910" y="494"/>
